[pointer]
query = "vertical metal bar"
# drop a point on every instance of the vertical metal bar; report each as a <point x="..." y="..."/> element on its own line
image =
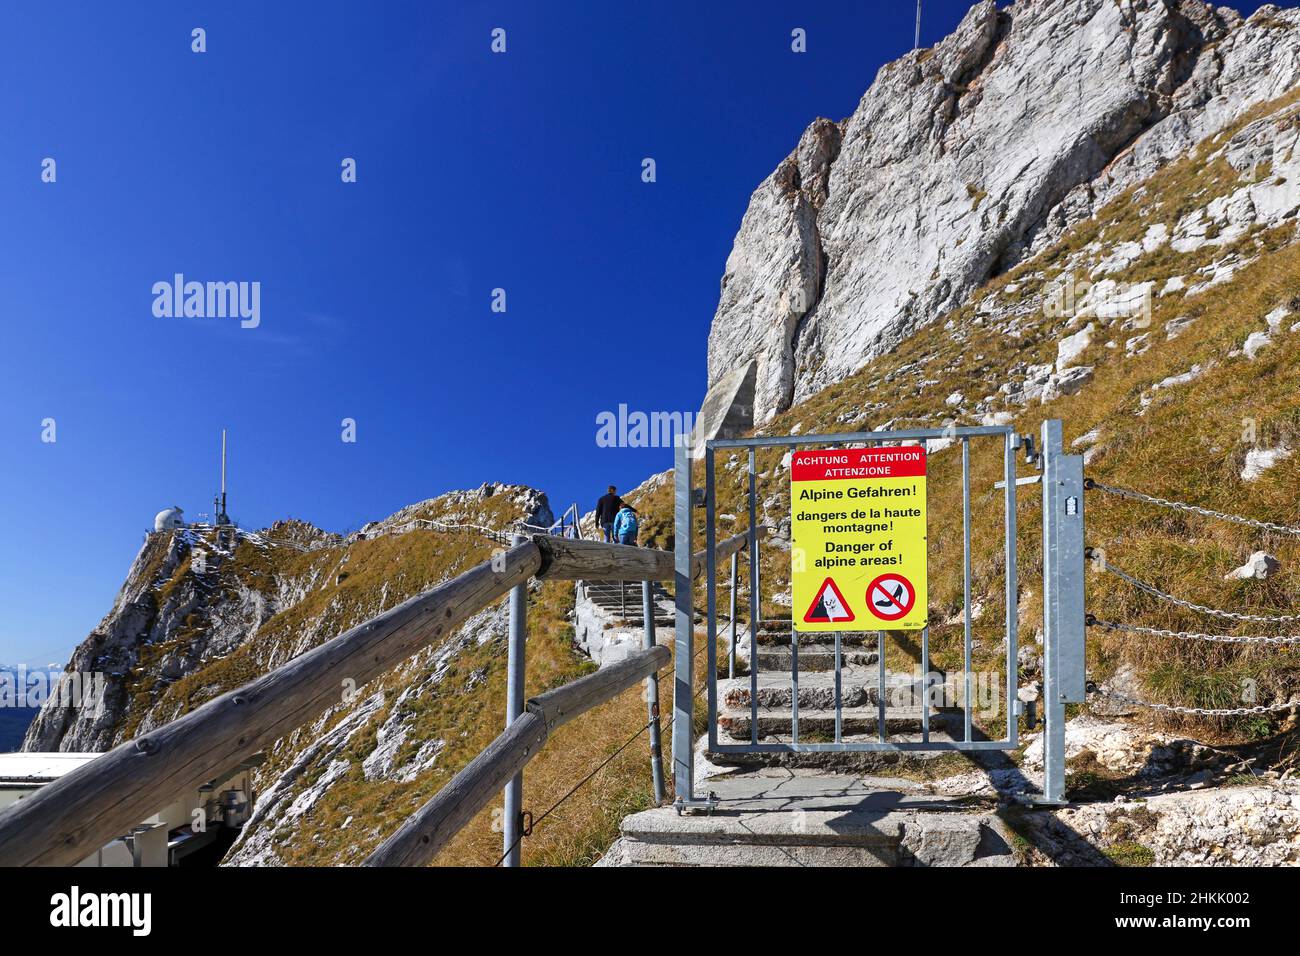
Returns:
<point x="753" y="599"/>
<point x="1053" y="708"/>
<point x="965" y="526"/>
<point x="622" y="597"/>
<point x="839" y="689"/>
<point x="731" y="654"/>
<point x="684" y="652"/>
<point x="794" y="685"/>
<point x="652" y="694"/>
<point x="880" y="683"/>
<point x="515" y="669"/>
<point x="1063" y="627"/>
<point x="711" y="592"/>
<point x="1013" y="589"/>
<point x="926" y="692"/>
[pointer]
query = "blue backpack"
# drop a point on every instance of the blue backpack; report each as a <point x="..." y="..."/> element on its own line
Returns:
<point x="625" y="524"/>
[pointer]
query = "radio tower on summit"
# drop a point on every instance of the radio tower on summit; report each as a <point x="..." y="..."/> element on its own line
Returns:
<point x="219" y="516"/>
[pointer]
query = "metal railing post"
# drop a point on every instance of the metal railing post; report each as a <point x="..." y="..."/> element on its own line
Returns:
<point x="515" y="666"/>
<point x="1063" y="625"/>
<point x="731" y="655"/>
<point x="684" y="598"/>
<point x="652" y="694"/>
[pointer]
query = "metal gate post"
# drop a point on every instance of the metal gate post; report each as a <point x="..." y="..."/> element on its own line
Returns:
<point x="1063" y="617"/>
<point x="652" y="694"/>
<point x="684" y="658"/>
<point x="515" y="666"/>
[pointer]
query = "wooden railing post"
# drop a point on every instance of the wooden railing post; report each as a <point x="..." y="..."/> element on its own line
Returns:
<point x="652" y="694"/>
<point x="515" y="670"/>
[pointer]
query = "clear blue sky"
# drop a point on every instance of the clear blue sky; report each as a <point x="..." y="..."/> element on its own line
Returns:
<point x="475" y="171"/>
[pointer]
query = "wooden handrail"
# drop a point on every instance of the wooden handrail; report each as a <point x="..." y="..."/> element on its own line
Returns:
<point x="65" y="821"/>
<point x="432" y="827"/>
<point x="568" y="559"/>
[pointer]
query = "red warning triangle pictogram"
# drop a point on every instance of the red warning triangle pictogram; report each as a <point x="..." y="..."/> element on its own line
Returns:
<point x="829" y="608"/>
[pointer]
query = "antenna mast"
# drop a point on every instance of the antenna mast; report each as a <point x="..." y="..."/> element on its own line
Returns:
<point x="219" y="502"/>
<point x="224" y="517"/>
<point x="916" y="45"/>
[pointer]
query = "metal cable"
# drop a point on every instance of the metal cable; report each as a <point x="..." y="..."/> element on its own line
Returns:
<point x="1191" y="606"/>
<point x="1091" y="483"/>
<point x="1276" y="640"/>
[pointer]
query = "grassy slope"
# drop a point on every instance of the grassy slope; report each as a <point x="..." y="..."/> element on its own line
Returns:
<point x="1188" y="445"/>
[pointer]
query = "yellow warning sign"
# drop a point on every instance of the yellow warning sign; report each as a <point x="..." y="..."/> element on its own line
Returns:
<point x="858" y="539"/>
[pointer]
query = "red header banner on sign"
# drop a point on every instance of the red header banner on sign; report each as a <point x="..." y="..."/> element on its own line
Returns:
<point x="855" y="464"/>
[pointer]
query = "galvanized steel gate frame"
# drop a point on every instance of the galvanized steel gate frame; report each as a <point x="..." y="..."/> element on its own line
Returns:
<point x="1063" y="615"/>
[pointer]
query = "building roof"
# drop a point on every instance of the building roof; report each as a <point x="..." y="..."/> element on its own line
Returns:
<point x="40" y="767"/>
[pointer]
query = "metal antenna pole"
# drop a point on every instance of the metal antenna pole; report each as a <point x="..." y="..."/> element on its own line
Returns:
<point x="916" y="45"/>
<point x="223" y="475"/>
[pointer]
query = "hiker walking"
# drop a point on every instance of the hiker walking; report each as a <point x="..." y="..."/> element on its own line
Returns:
<point x="607" y="510"/>
<point x="625" y="525"/>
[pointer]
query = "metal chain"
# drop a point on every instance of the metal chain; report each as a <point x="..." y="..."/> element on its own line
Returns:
<point x="1200" y="608"/>
<point x="1194" y="509"/>
<point x="1193" y="635"/>
<point x="1198" y="711"/>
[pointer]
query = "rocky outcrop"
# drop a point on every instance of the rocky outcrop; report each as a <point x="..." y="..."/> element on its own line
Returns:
<point x="963" y="159"/>
<point x="197" y="601"/>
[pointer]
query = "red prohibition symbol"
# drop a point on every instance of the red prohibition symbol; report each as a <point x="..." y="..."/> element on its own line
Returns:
<point x="890" y="597"/>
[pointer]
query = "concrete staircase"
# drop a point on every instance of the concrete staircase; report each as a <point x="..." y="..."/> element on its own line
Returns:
<point x="622" y="602"/>
<point x="782" y="818"/>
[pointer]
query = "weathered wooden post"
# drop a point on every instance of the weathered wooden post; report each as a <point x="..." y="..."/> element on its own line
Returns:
<point x="515" y="667"/>
<point x="652" y="693"/>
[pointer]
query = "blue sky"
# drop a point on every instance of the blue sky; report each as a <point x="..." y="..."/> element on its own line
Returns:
<point x="475" y="171"/>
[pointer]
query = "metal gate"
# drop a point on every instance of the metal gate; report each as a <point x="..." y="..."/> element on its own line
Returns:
<point x="1061" y="479"/>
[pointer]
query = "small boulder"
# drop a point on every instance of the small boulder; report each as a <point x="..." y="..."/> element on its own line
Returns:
<point x="1259" y="566"/>
<point x="1260" y="460"/>
<point x="1255" y="342"/>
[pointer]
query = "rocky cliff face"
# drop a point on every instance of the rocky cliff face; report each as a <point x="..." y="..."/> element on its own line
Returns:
<point x="963" y="159"/>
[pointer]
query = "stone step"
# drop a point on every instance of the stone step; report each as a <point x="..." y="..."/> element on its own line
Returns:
<point x="820" y="722"/>
<point x="859" y="687"/>
<point x="810" y="658"/>
<point x="815" y="820"/>
<point x="814" y="642"/>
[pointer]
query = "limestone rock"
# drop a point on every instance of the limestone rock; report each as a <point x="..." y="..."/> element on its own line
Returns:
<point x="961" y="159"/>
<point x="1258" y="567"/>
<point x="1260" y="460"/>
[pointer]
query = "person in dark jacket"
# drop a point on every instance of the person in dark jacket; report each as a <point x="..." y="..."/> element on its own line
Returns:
<point x="625" y="525"/>
<point x="606" y="509"/>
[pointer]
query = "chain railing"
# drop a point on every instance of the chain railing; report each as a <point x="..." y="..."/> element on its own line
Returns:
<point x="1275" y="640"/>
<point x="1093" y="484"/>
<point x="1197" y="711"/>
<point x="1272" y="640"/>
<point x="1104" y="565"/>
